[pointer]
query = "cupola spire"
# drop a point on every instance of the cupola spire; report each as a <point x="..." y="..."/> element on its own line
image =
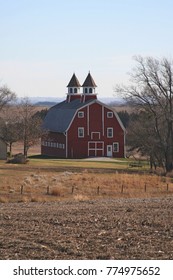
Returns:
<point x="89" y="81"/>
<point x="74" y="82"/>
<point x="73" y="88"/>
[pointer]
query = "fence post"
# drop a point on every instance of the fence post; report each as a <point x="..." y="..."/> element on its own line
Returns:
<point x="98" y="190"/>
<point x="21" y="189"/>
<point x="47" y="189"/>
<point x="167" y="187"/>
<point x="145" y="187"/>
<point x="72" y="189"/>
<point x="122" y="188"/>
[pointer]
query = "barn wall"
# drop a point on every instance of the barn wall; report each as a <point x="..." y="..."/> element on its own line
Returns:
<point x="54" y="144"/>
<point x="118" y="133"/>
<point x="77" y="147"/>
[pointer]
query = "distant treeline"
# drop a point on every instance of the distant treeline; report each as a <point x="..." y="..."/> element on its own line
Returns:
<point x="45" y="103"/>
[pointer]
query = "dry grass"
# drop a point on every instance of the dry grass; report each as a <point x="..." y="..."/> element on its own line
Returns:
<point x="4" y="199"/>
<point x="55" y="192"/>
<point x="80" y="197"/>
<point x="41" y="186"/>
<point x="38" y="198"/>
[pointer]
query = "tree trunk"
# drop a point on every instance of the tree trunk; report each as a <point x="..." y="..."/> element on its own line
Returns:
<point x="169" y="150"/>
<point x="25" y="150"/>
<point x="168" y="161"/>
<point x="10" y="149"/>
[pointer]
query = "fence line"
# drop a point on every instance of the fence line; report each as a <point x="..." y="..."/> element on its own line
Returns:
<point x="97" y="190"/>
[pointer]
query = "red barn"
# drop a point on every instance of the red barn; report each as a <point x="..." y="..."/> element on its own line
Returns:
<point x="81" y="126"/>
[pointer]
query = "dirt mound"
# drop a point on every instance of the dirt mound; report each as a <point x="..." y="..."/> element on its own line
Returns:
<point x="96" y="229"/>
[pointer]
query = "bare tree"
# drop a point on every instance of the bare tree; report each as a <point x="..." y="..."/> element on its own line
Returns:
<point x="6" y="96"/>
<point x="151" y="91"/>
<point x="30" y="125"/>
<point x="9" y="133"/>
<point x="142" y="137"/>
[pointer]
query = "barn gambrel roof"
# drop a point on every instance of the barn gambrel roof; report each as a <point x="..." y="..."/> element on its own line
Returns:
<point x="60" y="116"/>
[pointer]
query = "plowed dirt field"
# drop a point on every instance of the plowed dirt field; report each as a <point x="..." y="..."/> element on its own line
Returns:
<point x="95" y="229"/>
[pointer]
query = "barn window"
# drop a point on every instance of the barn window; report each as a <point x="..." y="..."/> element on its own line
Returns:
<point x="109" y="132"/>
<point x="90" y="90"/>
<point x="86" y="90"/>
<point x="75" y="90"/>
<point x="80" y="114"/>
<point x="80" y="132"/>
<point x="115" y="147"/>
<point x="109" y="115"/>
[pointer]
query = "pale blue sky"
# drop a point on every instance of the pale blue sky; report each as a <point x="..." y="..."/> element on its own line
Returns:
<point x="42" y="42"/>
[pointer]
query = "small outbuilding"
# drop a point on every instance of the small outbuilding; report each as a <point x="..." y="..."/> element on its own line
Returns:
<point x="3" y="149"/>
